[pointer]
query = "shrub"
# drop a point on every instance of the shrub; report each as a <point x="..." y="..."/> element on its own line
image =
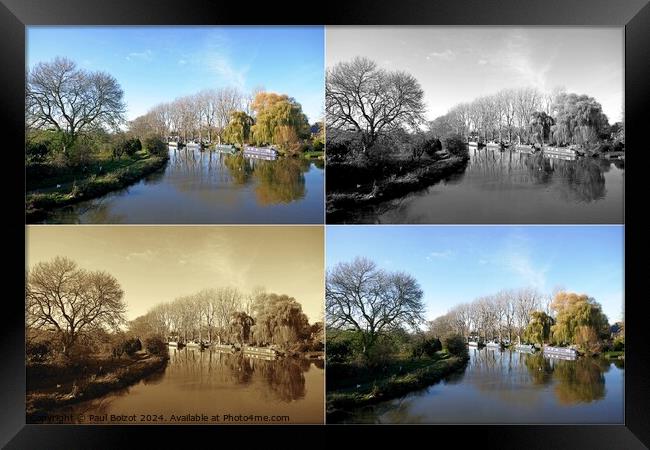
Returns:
<point x="155" y="146"/>
<point x="318" y="145"/>
<point x="339" y="351"/>
<point x="36" y="151"/>
<point x="455" y="345"/>
<point x="38" y="351"/>
<point x="456" y="145"/>
<point x="156" y="346"/>
<point x="431" y="146"/>
<point x="128" y="346"/>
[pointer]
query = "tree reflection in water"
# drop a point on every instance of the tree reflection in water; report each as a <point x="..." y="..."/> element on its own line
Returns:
<point x="580" y="381"/>
<point x="280" y="181"/>
<point x="283" y="379"/>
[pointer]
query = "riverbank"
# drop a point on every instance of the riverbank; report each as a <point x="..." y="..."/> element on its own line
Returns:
<point x="408" y="177"/>
<point x="401" y="378"/>
<point x="39" y="203"/>
<point x="58" y="386"/>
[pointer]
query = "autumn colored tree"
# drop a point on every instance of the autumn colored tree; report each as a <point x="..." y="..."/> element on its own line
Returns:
<point x="279" y="119"/>
<point x="579" y="320"/>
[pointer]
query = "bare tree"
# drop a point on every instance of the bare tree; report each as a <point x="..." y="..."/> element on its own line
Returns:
<point x="59" y="95"/>
<point x="361" y="297"/>
<point x="64" y="298"/>
<point x="360" y="96"/>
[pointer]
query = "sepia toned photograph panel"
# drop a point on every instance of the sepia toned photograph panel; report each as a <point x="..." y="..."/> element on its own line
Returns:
<point x="475" y="125"/>
<point x="475" y="325"/>
<point x="175" y="125"/>
<point x="174" y="324"/>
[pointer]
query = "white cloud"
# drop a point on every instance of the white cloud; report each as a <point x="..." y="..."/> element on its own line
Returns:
<point x="182" y="62"/>
<point x="146" y="55"/>
<point x="147" y="255"/>
<point x="445" y="55"/>
<point x="517" y="259"/>
<point x="445" y="254"/>
<point x="482" y="62"/>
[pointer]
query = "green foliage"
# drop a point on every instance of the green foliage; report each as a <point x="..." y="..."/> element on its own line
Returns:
<point x="127" y="147"/>
<point x="239" y="128"/>
<point x="318" y="145"/>
<point x="538" y="330"/>
<point x="426" y="347"/>
<point x="455" y="345"/>
<point x="155" y="146"/>
<point x="339" y="350"/>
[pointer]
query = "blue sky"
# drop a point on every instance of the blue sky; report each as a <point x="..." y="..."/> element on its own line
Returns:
<point x="459" y="64"/>
<point x="456" y="264"/>
<point x="158" y="64"/>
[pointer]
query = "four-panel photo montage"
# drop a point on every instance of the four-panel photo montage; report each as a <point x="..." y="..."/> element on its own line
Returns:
<point x="324" y="225"/>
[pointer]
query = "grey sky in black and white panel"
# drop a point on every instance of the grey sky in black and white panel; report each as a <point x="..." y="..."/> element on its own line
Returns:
<point x="458" y="64"/>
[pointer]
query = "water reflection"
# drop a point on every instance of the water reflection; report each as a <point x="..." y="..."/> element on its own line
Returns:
<point x="210" y="187"/>
<point x="510" y="186"/>
<point x="513" y="387"/>
<point x="214" y="382"/>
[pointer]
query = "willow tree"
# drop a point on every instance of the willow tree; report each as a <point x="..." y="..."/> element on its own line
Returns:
<point x="579" y="320"/>
<point x="238" y="129"/>
<point x="541" y="124"/>
<point x="279" y="320"/>
<point x="538" y="330"/>
<point x="71" y="301"/>
<point x="70" y="100"/>
<point x="240" y="327"/>
<point x="279" y="119"/>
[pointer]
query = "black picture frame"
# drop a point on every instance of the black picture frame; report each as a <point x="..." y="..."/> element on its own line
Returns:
<point x="634" y="15"/>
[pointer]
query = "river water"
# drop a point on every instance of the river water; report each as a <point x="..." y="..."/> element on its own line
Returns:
<point x="198" y="187"/>
<point x="216" y="383"/>
<point x="513" y="187"/>
<point x="513" y="387"/>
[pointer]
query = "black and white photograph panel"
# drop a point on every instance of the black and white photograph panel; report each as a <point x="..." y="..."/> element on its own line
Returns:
<point x="475" y="125"/>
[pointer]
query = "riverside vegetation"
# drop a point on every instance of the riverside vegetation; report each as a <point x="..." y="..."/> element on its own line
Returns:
<point x="375" y="349"/>
<point x="377" y="149"/>
<point x="80" y="345"/>
<point x="80" y="146"/>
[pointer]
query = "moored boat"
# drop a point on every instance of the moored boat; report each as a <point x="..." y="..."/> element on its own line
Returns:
<point x="560" y="352"/>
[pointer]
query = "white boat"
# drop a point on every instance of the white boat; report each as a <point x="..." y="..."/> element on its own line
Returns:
<point x="560" y="352"/>
<point x="473" y="344"/>
<point x="173" y="143"/>
<point x="261" y="152"/>
<point x="493" y="344"/>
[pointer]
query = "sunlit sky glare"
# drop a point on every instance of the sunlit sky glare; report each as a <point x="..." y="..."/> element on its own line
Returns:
<point x="459" y="64"/>
<point x="156" y="264"/>
<point x="456" y="264"/>
<point x="157" y="64"/>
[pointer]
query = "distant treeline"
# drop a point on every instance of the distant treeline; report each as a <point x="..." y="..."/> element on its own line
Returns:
<point x="226" y="316"/>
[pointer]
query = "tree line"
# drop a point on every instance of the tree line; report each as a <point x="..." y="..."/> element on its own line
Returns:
<point x="562" y="319"/>
<point x="527" y="115"/>
<point x="227" y="316"/>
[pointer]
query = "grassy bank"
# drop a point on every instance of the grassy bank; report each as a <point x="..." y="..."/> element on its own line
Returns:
<point x="312" y="154"/>
<point x="392" y="381"/>
<point x="391" y="183"/>
<point x="51" y="387"/>
<point x="96" y="182"/>
<point x="614" y="354"/>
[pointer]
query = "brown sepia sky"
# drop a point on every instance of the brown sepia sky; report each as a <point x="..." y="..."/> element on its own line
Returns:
<point x="157" y="264"/>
